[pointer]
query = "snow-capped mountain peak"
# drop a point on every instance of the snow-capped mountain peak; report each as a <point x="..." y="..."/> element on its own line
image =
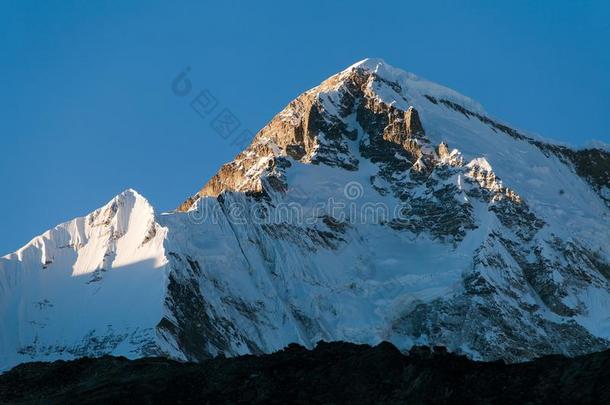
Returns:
<point x="412" y="85"/>
<point x="375" y="206"/>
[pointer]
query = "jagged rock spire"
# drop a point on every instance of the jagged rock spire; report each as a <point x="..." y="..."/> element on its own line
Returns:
<point x="413" y="125"/>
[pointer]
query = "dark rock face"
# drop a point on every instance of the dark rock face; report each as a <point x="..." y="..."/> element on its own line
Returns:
<point x="331" y="373"/>
<point x="593" y="165"/>
<point x="194" y="324"/>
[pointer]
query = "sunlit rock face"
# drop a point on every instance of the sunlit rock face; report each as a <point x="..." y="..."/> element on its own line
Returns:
<point x="375" y="206"/>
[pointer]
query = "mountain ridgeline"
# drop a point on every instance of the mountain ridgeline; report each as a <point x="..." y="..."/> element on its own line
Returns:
<point x="331" y="373"/>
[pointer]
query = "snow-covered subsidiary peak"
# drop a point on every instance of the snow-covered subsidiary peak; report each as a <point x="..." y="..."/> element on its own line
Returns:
<point x="375" y="206"/>
<point x="89" y="286"/>
<point x="110" y="223"/>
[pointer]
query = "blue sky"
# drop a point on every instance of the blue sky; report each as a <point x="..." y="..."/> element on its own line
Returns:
<point x="87" y="109"/>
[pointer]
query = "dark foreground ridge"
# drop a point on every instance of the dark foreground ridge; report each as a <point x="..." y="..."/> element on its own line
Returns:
<point x="331" y="373"/>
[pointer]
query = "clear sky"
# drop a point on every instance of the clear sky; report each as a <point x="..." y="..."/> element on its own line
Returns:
<point x="87" y="108"/>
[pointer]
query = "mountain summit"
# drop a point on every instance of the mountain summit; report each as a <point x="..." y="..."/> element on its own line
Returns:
<point x="375" y="206"/>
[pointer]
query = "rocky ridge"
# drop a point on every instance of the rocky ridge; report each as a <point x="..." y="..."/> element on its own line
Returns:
<point x="331" y="373"/>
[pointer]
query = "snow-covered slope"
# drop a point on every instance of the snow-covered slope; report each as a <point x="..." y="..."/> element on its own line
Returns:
<point x="376" y="206"/>
<point x="89" y="286"/>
